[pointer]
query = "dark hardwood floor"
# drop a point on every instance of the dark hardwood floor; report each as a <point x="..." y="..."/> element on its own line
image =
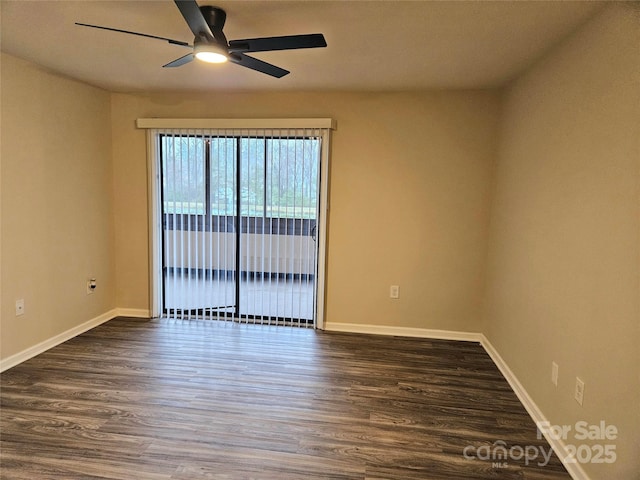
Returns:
<point x="167" y="399"/>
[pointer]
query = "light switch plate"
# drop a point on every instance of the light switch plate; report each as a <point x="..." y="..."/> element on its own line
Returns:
<point x="19" y="307"/>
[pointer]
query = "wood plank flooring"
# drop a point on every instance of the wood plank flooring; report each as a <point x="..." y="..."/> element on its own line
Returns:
<point x="194" y="400"/>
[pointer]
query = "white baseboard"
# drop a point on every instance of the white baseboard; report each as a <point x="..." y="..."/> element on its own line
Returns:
<point x="575" y="469"/>
<point x="403" y="331"/>
<point x="133" y="313"/>
<point x="30" y="352"/>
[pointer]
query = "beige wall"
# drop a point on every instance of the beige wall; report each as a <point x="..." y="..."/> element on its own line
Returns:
<point x="564" y="251"/>
<point x="409" y="199"/>
<point x="423" y="185"/>
<point x="56" y="215"/>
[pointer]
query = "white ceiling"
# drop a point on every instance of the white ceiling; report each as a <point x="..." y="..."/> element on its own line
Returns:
<point x="372" y="45"/>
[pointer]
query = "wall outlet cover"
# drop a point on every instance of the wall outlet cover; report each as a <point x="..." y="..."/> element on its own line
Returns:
<point x="19" y="307"/>
<point x="579" y="392"/>
<point x="554" y="373"/>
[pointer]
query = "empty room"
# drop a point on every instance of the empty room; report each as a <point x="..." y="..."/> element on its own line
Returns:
<point x="319" y="240"/>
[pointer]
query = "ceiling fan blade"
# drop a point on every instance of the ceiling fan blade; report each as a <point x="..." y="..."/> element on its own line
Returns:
<point x="194" y="18"/>
<point x="170" y="40"/>
<point x="258" y="65"/>
<point x="289" y="42"/>
<point x="180" y="61"/>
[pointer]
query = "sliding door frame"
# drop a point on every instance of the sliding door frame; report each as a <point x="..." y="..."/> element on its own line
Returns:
<point x="156" y="126"/>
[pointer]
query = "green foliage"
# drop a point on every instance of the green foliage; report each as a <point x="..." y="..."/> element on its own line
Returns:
<point x="278" y="176"/>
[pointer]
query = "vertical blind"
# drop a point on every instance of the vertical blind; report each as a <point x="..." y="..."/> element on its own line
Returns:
<point x="239" y="213"/>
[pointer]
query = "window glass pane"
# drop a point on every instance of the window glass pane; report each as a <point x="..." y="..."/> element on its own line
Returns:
<point x="292" y="177"/>
<point x="252" y="176"/>
<point x="183" y="174"/>
<point x="223" y="175"/>
<point x="279" y="176"/>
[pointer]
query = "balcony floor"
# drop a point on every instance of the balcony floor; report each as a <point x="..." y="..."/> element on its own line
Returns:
<point x="260" y="297"/>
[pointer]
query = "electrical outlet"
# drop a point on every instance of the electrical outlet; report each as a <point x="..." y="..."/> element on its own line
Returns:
<point x="19" y="307"/>
<point x="579" y="393"/>
<point x="554" y="373"/>
<point x="394" y="291"/>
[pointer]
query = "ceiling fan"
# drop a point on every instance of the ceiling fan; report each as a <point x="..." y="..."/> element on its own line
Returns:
<point x="211" y="45"/>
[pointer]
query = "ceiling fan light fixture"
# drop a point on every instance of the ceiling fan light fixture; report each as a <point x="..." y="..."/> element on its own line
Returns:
<point x="211" y="45"/>
<point x="210" y="53"/>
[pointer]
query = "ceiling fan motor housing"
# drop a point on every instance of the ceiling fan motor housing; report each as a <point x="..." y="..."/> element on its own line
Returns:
<point x="214" y="16"/>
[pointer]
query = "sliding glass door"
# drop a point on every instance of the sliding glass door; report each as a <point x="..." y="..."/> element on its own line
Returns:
<point x="239" y="225"/>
